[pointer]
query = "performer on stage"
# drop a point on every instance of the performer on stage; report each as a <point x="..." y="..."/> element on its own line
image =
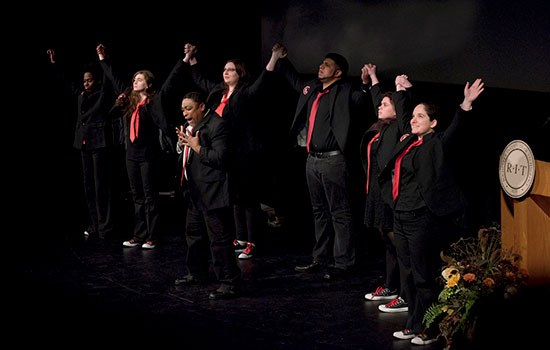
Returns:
<point x="419" y="185"/>
<point x="147" y="118"/>
<point x="236" y="99"/>
<point x="322" y="124"/>
<point x="93" y="137"/>
<point x="377" y="142"/>
<point x="204" y="149"/>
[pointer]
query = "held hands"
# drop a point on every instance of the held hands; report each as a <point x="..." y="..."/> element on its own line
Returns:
<point x="369" y="72"/>
<point x="190" y="54"/>
<point x="186" y="139"/>
<point x="402" y="82"/>
<point x="471" y="93"/>
<point x="100" y="49"/>
<point x="277" y="52"/>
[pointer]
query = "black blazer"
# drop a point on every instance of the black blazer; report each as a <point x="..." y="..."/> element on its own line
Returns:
<point x="242" y="109"/>
<point x="389" y="134"/>
<point x="156" y="128"/>
<point x="93" y="123"/>
<point x="207" y="172"/>
<point x="437" y="184"/>
<point x="342" y="98"/>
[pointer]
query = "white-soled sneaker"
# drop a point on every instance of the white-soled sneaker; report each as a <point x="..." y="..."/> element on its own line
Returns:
<point x="423" y="339"/>
<point x="381" y="293"/>
<point x="396" y="305"/>
<point x="248" y="252"/>
<point x="130" y="244"/>
<point x="148" y="245"/>
<point x="404" y="334"/>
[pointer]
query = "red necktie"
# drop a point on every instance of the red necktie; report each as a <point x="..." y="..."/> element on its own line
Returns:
<point x="220" y="108"/>
<point x="186" y="152"/>
<point x="312" y="115"/>
<point x="368" y="158"/>
<point x="134" y="122"/>
<point x="395" y="189"/>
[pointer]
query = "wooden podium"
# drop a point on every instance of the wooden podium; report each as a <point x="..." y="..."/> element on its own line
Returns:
<point x="525" y="225"/>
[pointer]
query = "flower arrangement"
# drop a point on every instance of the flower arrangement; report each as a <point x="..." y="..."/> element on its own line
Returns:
<point x="476" y="270"/>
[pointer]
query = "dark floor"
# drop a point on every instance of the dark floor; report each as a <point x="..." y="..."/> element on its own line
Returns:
<point x="95" y="292"/>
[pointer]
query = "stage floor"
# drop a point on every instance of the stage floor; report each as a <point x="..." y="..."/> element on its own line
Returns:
<point x="95" y="292"/>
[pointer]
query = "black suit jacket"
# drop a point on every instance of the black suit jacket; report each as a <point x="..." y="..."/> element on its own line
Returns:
<point x="389" y="134"/>
<point x="242" y="109"/>
<point x="208" y="171"/>
<point x="156" y="126"/>
<point x="342" y="97"/>
<point x="437" y="184"/>
<point x="93" y="122"/>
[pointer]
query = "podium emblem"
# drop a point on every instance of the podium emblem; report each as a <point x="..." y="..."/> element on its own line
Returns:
<point x="517" y="169"/>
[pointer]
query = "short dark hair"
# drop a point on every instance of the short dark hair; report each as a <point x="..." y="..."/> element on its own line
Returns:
<point x="340" y="61"/>
<point x="196" y="96"/>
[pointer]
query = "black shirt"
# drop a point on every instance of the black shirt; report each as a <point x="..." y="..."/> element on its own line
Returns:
<point x="322" y="138"/>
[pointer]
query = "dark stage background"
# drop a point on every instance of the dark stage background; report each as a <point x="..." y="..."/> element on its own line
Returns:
<point x="439" y="44"/>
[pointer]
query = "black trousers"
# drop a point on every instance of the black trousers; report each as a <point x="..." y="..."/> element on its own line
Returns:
<point x="145" y="196"/>
<point x="247" y="210"/>
<point x="329" y="184"/>
<point x="418" y="236"/>
<point x="392" y="266"/>
<point x="212" y="232"/>
<point x="97" y="190"/>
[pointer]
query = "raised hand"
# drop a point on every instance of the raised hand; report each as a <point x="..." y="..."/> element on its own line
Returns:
<point x="100" y="49"/>
<point x="277" y="52"/>
<point x="365" y="76"/>
<point x="402" y="82"/>
<point x="51" y="53"/>
<point x="190" y="52"/>
<point x="471" y="93"/>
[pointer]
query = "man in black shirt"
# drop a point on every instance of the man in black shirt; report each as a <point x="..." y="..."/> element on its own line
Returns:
<point x="322" y="124"/>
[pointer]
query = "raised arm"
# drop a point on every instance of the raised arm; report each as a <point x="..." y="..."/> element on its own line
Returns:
<point x="403" y="103"/>
<point x="118" y="84"/>
<point x="196" y="73"/>
<point x="471" y="93"/>
<point x="279" y="61"/>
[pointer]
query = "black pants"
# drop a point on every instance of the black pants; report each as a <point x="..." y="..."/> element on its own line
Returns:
<point x="417" y="241"/>
<point x="212" y="232"/>
<point x="392" y="266"/>
<point x="247" y="209"/>
<point x="328" y="183"/>
<point x="145" y="195"/>
<point x="97" y="190"/>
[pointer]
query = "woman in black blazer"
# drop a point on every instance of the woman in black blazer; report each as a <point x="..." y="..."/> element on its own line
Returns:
<point x="94" y="138"/>
<point x="377" y="141"/>
<point x="235" y="99"/>
<point x="421" y="188"/>
<point x="146" y="119"/>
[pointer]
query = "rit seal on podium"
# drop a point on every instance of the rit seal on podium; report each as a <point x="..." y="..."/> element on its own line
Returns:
<point x="517" y="169"/>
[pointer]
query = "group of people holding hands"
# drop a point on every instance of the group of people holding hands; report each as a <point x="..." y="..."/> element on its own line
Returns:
<point x="412" y="195"/>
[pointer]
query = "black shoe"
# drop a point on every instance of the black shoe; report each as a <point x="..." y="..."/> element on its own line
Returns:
<point x="188" y="279"/>
<point x="314" y="266"/>
<point x="224" y="292"/>
<point x="335" y="274"/>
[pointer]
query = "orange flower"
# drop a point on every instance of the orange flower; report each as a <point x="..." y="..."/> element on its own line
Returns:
<point x="489" y="282"/>
<point x="453" y="280"/>
<point x="469" y="277"/>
